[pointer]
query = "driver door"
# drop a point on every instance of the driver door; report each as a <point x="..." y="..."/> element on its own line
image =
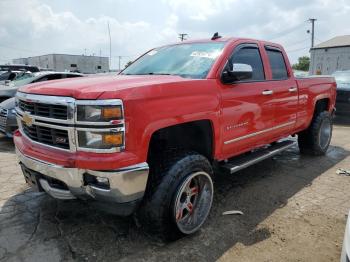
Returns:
<point x="247" y="106"/>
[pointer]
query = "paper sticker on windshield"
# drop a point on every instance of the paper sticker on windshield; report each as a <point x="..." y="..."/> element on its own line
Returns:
<point x="202" y="54"/>
<point x="153" y="52"/>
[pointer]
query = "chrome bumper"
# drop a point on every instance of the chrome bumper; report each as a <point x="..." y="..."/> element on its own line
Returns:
<point x="126" y="184"/>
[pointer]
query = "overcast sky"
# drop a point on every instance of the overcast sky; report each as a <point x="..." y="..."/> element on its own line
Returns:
<point x="34" y="27"/>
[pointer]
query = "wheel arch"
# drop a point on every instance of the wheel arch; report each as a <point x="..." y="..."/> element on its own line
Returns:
<point x="195" y="136"/>
<point x="321" y="104"/>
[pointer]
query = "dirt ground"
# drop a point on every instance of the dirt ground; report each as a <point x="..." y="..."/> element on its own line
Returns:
<point x="294" y="208"/>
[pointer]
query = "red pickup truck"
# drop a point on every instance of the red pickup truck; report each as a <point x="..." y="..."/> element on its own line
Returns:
<point x="147" y="140"/>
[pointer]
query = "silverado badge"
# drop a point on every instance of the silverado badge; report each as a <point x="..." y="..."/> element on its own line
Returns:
<point x="27" y="119"/>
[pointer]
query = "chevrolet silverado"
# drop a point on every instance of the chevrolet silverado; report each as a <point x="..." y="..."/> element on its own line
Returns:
<point x="146" y="141"/>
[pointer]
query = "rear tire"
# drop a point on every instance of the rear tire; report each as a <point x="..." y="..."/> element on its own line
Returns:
<point x="179" y="200"/>
<point x="316" y="139"/>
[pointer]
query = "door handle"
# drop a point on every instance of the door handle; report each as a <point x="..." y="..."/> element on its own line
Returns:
<point x="293" y="89"/>
<point x="267" y="92"/>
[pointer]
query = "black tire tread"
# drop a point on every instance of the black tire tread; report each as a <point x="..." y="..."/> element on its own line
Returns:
<point x="308" y="139"/>
<point x="155" y="211"/>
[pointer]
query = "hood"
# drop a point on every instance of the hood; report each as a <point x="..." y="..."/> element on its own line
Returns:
<point x="8" y="104"/>
<point x="7" y="86"/>
<point x="8" y="91"/>
<point x="92" y="87"/>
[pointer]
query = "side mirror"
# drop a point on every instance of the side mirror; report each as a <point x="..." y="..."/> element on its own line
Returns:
<point x="239" y="72"/>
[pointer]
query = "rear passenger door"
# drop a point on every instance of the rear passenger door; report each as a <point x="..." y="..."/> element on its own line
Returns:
<point x="284" y="92"/>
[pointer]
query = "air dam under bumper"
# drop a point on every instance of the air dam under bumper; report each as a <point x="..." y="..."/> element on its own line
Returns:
<point x="127" y="185"/>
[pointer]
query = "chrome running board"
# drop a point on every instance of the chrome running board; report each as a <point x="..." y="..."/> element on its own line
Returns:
<point x="238" y="163"/>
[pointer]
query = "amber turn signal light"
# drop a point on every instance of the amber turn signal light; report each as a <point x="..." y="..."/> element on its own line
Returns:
<point x="113" y="139"/>
<point x="112" y="113"/>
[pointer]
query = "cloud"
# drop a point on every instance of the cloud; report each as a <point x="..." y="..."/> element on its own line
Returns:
<point x="34" y="27"/>
<point x="284" y="22"/>
<point x="40" y="30"/>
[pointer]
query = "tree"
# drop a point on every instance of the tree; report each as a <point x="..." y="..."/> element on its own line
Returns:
<point x="303" y="64"/>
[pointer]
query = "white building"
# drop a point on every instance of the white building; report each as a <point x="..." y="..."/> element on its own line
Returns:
<point x="330" y="56"/>
<point x="63" y="62"/>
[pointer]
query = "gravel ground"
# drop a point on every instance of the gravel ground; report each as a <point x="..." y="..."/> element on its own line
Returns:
<point x="294" y="210"/>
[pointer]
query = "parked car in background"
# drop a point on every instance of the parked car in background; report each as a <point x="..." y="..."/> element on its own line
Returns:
<point x="8" y="123"/>
<point x="30" y="68"/>
<point x="7" y="77"/>
<point x="300" y="74"/>
<point x="343" y="92"/>
<point x="9" y="90"/>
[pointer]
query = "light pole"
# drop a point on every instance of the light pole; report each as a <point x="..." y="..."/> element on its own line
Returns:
<point x="312" y="20"/>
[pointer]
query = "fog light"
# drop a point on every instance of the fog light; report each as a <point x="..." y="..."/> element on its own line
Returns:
<point x="102" y="180"/>
<point x="96" y="181"/>
<point x="113" y="139"/>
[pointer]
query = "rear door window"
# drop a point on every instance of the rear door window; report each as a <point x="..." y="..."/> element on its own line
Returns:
<point x="277" y="63"/>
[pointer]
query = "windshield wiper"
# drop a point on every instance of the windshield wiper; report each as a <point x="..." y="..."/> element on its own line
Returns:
<point x="150" y="73"/>
<point x="153" y="73"/>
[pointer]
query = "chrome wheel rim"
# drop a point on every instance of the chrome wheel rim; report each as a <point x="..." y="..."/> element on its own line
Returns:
<point x="325" y="133"/>
<point x="193" y="202"/>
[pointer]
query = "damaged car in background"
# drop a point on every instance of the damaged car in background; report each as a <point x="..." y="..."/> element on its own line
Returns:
<point x="343" y="92"/>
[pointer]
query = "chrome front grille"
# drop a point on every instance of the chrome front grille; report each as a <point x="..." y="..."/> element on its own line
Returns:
<point x="52" y="121"/>
<point x="46" y="135"/>
<point x="3" y="118"/>
<point x="44" y="110"/>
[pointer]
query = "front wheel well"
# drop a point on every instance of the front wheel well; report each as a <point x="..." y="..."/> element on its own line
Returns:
<point x="192" y="136"/>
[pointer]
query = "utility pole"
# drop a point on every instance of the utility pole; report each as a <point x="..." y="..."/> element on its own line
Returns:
<point x="120" y="58"/>
<point x="110" y="46"/>
<point x="182" y="37"/>
<point x="312" y="20"/>
<point x="100" y="55"/>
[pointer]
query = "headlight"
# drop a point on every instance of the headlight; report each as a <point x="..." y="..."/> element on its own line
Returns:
<point x="99" y="113"/>
<point x="97" y="132"/>
<point x="100" y="139"/>
<point x="13" y="111"/>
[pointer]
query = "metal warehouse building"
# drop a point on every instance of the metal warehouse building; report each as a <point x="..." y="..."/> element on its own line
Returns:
<point x="64" y="62"/>
<point x="331" y="56"/>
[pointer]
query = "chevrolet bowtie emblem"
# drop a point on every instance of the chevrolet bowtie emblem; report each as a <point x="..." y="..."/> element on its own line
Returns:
<point x="27" y="119"/>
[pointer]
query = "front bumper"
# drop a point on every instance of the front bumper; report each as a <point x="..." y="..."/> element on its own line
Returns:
<point x="126" y="185"/>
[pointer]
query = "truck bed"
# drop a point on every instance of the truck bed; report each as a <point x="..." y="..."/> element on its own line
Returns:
<point x="312" y="89"/>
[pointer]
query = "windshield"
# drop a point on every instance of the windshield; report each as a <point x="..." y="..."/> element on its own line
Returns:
<point x="342" y="77"/>
<point x="24" y="76"/>
<point x="22" y="82"/>
<point x="186" y="60"/>
<point x="4" y="76"/>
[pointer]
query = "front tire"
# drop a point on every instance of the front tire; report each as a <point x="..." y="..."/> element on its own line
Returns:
<point x="181" y="200"/>
<point x="316" y="139"/>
